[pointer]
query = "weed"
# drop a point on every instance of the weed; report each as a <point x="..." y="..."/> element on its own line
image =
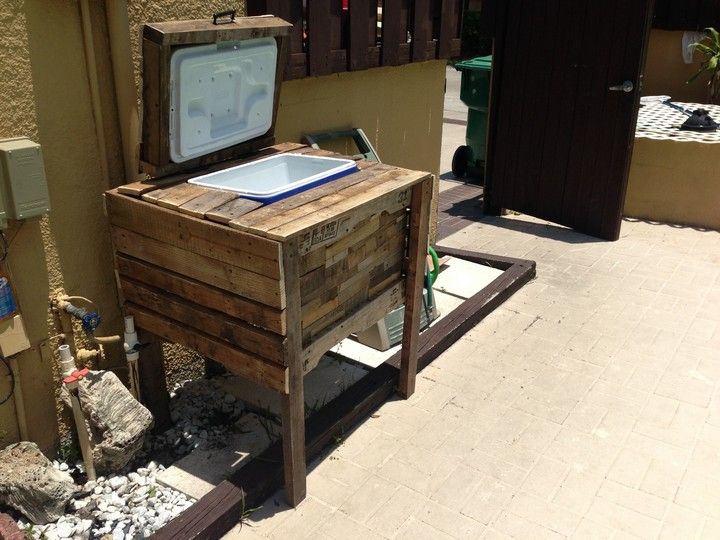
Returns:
<point x="245" y="514"/>
<point x="340" y="437"/>
<point x="67" y="450"/>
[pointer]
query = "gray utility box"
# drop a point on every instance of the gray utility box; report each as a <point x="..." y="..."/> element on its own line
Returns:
<point x="23" y="188"/>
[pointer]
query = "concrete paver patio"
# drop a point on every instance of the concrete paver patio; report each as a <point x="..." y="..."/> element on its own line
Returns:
<point x="587" y="406"/>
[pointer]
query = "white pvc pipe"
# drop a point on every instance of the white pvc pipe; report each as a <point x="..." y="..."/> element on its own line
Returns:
<point x="132" y="356"/>
<point x="67" y="362"/>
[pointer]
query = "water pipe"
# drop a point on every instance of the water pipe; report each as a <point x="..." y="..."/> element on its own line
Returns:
<point x="132" y="355"/>
<point x="71" y="377"/>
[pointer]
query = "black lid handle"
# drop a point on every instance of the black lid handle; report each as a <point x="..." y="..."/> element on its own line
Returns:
<point x="228" y="14"/>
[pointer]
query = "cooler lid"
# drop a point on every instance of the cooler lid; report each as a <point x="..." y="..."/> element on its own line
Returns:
<point x="221" y="94"/>
<point x="210" y="90"/>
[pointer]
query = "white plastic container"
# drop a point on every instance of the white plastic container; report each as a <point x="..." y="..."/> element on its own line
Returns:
<point x="277" y="177"/>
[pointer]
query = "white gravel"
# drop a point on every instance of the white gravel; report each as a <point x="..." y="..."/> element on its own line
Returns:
<point x="133" y="505"/>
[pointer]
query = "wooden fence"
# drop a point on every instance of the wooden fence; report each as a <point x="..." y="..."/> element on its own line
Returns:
<point x="330" y="36"/>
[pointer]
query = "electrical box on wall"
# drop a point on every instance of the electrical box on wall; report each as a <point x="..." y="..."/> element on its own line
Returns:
<point x="23" y="187"/>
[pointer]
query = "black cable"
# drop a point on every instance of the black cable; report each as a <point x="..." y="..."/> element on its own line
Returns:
<point x="12" y="380"/>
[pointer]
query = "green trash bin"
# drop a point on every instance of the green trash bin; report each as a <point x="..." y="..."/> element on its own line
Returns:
<point x="475" y="93"/>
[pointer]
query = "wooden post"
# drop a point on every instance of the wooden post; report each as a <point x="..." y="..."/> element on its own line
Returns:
<point x="417" y="252"/>
<point x="153" y="384"/>
<point x="293" y="403"/>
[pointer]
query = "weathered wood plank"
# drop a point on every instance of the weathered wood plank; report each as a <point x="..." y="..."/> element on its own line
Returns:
<point x="234" y="209"/>
<point x="136" y="189"/>
<point x="204" y="31"/>
<point x="236" y="332"/>
<point x="417" y="253"/>
<point x="199" y="206"/>
<point x="175" y="196"/>
<point x="366" y="254"/>
<point x="302" y="215"/>
<point x="209" y="518"/>
<point x="255" y="313"/>
<point x="375" y="194"/>
<point x="246" y="251"/>
<point x="263" y="289"/>
<point x="279" y="208"/>
<point x="153" y="149"/>
<point x="359" y="319"/>
<point x="350" y="294"/>
<point x="293" y="404"/>
<point x="252" y="367"/>
<point x="153" y="381"/>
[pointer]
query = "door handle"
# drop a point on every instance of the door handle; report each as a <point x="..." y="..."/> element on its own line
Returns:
<point x="626" y="86"/>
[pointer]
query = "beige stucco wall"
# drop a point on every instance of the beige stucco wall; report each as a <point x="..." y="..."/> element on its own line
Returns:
<point x="674" y="182"/>
<point x="399" y="109"/>
<point x="45" y="89"/>
<point x="666" y="73"/>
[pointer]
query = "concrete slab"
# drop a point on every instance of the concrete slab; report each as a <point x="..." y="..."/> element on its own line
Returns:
<point x="204" y="468"/>
<point x="200" y="471"/>
<point x="458" y="281"/>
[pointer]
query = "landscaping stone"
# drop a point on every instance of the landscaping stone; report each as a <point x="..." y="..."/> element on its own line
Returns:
<point x="30" y="484"/>
<point x="118" y="422"/>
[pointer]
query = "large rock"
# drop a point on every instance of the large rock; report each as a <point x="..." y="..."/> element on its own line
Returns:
<point x="30" y="484"/>
<point x="117" y="421"/>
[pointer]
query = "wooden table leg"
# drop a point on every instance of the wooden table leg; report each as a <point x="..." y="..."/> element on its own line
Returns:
<point x="293" y="434"/>
<point x="153" y="382"/>
<point x="293" y="403"/>
<point x="419" y="224"/>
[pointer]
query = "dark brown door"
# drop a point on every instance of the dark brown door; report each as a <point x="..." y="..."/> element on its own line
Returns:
<point x="562" y="116"/>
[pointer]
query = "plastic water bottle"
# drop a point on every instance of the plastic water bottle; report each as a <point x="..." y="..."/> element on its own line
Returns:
<point x="8" y="308"/>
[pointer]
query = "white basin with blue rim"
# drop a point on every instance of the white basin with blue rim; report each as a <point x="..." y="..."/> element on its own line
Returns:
<point x="272" y="178"/>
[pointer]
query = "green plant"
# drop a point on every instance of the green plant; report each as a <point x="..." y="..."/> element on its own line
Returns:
<point x="245" y="513"/>
<point x="67" y="450"/>
<point x="710" y="48"/>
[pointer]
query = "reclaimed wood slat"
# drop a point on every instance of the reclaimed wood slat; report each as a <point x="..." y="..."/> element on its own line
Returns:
<point x="234" y="209"/>
<point x="236" y="332"/>
<point x="175" y="196"/>
<point x="201" y="237"/>
<point x="154" y="149"/>
<point x="293" y="403"/>
<point x="212" y="297"/>
<point x="417" y="253"/>
<point x="199" y="206"/>
<point x="136" y="189"/>
<point x="370" y="197"/>
<point x="263" y="289"/>
<point x="350" y="294"/>
<point x="252" y="367"/>
<point x="355" y="321"/>
<point x="337" y="268"/>
<point x="204" y="31"/>
<point x="279" y="208"/>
